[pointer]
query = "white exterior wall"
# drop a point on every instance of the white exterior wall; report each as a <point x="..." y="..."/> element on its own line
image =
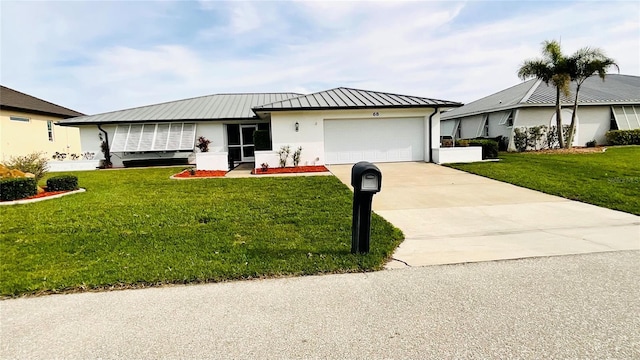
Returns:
<point x="214" y="132"/>
<point x="495" y="129"/>
<point x="311" y="129"/>
<point x="90" y="140"/>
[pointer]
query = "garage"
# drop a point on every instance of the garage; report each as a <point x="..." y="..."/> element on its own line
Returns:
<point x="348" y="141"/>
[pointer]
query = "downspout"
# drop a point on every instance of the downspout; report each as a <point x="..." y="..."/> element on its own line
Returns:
<point x="435" y="110"/>
<point x="105" y="147"/>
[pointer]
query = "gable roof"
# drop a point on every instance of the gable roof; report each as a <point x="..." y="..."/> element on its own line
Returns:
<point x="16" y="100"/>
<point x="210" y="107"/>
<point x="615" y="90"/>
<point x="348" y="98"/>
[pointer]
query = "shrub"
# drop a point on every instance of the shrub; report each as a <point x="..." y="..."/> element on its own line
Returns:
<point x="520" y="139"/>
<point x="592" y="143"/>
<point x="203" y="144"/>
<point x="623" y="137"/>
<point x="503" y="142"/>
<point x="296" y="156"/>
<point x="35" y="163"/>
<point x="489" y="148"/>
<point x="462" y="143"/>
<point x="17" y="188"/>
<point x="261" y="140"/>
<point x="283" y="153"/>
<point x="62" y="183"/>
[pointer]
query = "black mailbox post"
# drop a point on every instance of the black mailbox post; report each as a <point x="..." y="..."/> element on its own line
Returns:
<point x="366" y="180"/>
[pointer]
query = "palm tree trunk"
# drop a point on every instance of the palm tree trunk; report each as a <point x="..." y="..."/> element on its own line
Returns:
<point x="572" y="127"/>
<point x="559" y="118"/>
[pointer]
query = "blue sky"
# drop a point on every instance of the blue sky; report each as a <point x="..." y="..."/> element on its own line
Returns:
<point x="99" y="56"/>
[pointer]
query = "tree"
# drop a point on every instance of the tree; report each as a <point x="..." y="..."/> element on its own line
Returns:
<point x="551" y="68"/>
<point x="583" y="64"/>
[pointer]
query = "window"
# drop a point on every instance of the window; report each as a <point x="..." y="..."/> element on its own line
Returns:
<point x="459" y="130"/>
<point x="485" y="126"/>
<point x="507" y="119"/>
<point x="613" y="125"/>
<point x="154" y="137"/>
<point x="19" y="118"/>
<point x="50" y="130"/>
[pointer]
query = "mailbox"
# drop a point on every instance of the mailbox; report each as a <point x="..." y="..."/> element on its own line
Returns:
<point x="366" y="177"/>
<point x="366" y="180"/>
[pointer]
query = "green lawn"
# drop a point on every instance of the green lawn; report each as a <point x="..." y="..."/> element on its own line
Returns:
<point x="610" y="179"/>
<point x="134" y="228"/>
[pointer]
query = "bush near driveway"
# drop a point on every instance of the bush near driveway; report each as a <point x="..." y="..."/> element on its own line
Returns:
<point x="137" y="227"/>
<point x="609" y="179"/>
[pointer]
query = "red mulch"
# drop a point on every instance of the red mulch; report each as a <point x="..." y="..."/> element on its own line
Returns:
<point x="290" y="170"/>
<point x="43" y="195"/>
<point x="201" y="174"/>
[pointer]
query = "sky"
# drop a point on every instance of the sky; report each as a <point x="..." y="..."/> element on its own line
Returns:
<point x="100" y="56"/>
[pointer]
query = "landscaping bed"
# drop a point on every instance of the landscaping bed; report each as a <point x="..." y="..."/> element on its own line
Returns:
<point x="290" y="170"/>
<point x="185" y="174"/>
<point x="136" y="228"/>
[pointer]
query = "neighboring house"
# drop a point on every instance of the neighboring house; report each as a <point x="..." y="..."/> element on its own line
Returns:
<point x="603" y="106"/>
<point x="28" y="124"/>
<point x="336" y="126"/>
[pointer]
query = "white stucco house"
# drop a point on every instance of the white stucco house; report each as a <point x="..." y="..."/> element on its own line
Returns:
<point x="610" y="105"/>
<point x="337" y="126"/>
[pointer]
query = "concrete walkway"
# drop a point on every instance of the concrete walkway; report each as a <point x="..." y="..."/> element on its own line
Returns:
<point x="449" y="216"/>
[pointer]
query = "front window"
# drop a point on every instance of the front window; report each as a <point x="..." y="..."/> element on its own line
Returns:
<point x="50" y="130"/>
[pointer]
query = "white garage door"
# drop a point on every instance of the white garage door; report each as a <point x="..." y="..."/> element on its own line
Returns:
<point x="375" y="140"/>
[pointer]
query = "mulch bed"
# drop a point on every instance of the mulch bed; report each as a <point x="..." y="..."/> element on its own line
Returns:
<point x="290" y="170"/>
<point x="201" y="174"/>
<point x="573" y="150"/>
<point x="43" y="195"/>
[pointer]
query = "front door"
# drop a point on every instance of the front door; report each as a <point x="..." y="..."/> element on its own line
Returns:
<point x="246" y="141"/>
<point x="240" y="142"/>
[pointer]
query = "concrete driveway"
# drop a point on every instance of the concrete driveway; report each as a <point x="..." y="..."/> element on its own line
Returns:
<point x="449" y="216"/>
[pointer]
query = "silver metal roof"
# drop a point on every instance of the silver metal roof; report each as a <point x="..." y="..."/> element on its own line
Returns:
<point x="615" y="90"/>
<point x="347" y="98"/>
<point x="211" y="107"/>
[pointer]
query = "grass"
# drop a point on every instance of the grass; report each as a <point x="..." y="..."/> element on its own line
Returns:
<point x="135" y="228"/>
<point x="610" y="179"/>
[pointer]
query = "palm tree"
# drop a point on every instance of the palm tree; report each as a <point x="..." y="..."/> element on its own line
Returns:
<point x="551" y="68"/>
<point x="583" y="64"/>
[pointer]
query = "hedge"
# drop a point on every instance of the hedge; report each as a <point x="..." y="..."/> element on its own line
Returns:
<point x="489" y="147"/>
<point x="62" y="183"/>
<point x="623" y="137"/>
<point x="17" y="188"/>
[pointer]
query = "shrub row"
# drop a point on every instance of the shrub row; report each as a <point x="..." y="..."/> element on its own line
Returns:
<point x="62" y="183"/>
<point x="623" y="137"/>
<point x="17" y="188"/>
<point x="489" y="147"/>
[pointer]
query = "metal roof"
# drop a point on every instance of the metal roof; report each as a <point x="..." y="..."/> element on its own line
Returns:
<point x="211" y="107"/>
<point x="615" y="90"/>
<point x="13" y="99"/>
<point x="347" y="98"/>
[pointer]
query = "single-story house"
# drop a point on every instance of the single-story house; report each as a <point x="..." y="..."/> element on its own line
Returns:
<point x="613" y="104"/>
<point x="337" y="126"/>
<point x="28" y="125"/>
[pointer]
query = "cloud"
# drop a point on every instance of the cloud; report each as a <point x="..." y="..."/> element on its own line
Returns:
<point x="122" y="55"/>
